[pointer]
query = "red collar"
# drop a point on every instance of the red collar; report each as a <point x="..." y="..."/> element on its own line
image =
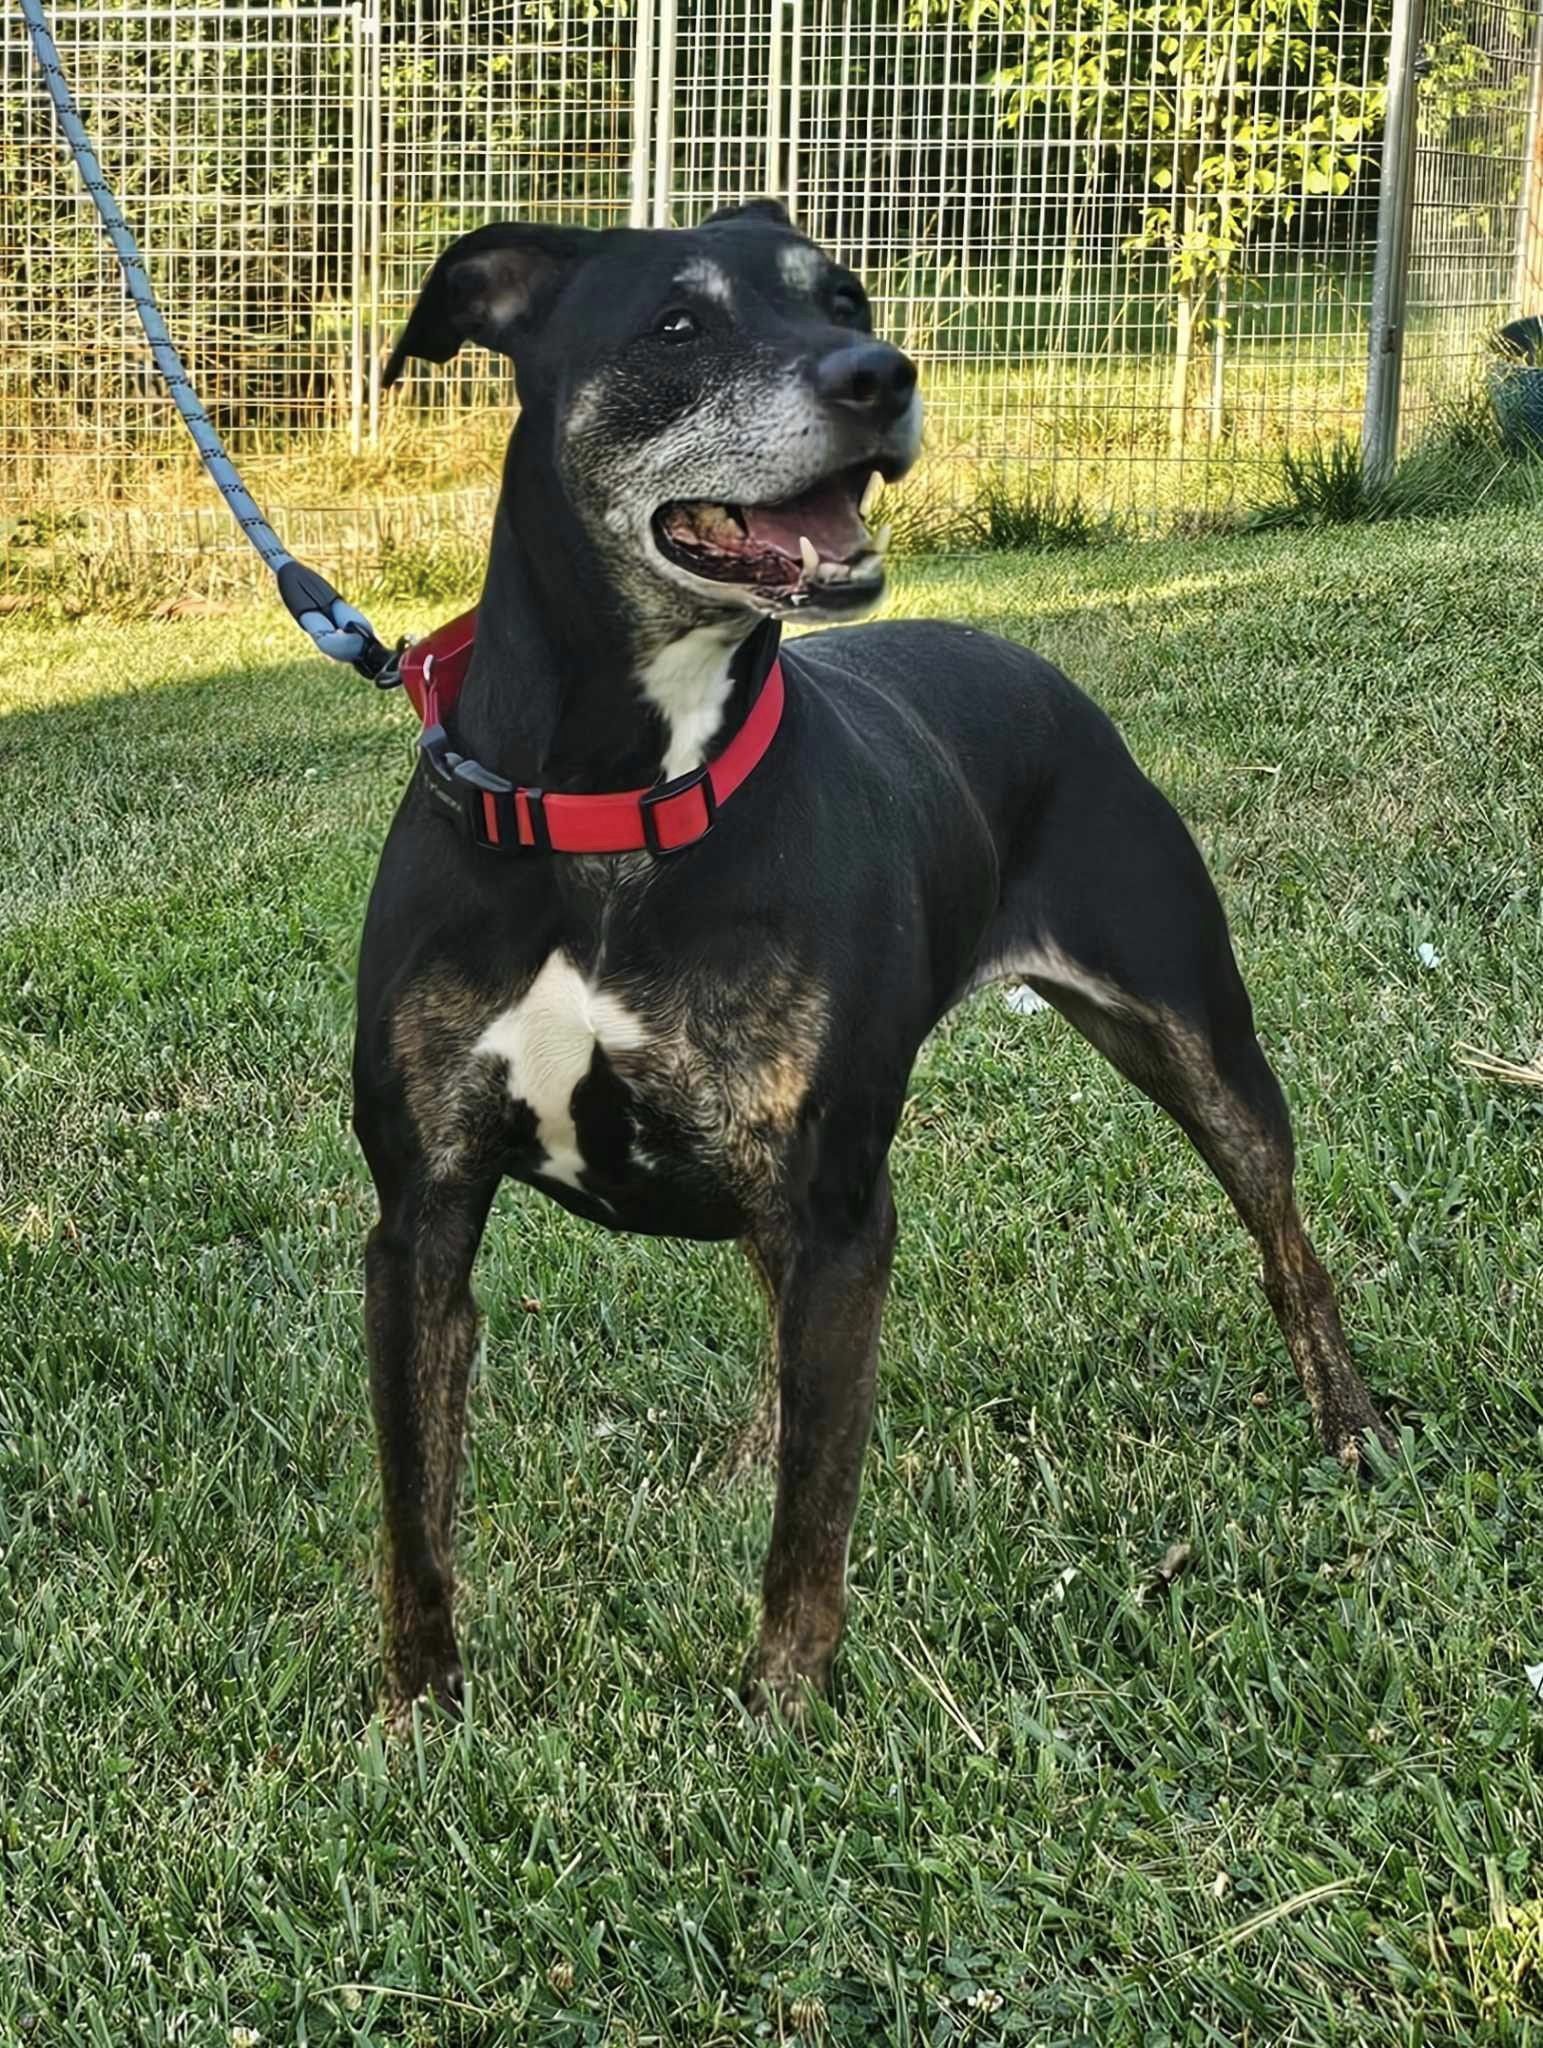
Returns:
<point x="511" y="818"/>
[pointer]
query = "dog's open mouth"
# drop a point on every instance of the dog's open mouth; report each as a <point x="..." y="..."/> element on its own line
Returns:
<point x="817" y="544"/>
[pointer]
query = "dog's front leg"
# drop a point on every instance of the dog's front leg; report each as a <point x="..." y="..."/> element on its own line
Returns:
<point x="421" y="1324"/>
<point x="829" y="1300"/>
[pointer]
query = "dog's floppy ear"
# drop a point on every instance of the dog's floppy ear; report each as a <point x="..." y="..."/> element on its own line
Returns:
<point x="490" y="286"/>
<point x="771" y="210"/>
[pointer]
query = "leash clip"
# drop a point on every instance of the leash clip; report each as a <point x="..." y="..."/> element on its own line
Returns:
<point x="390" y="677"/>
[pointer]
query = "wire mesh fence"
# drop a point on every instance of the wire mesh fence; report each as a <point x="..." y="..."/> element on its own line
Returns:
<point x="229" y="135"/>
<point x="480" y="112"/>
<point x="1130" y="241"/>
<point x="1130" y="265"/>
<point x="1475" y="253"/>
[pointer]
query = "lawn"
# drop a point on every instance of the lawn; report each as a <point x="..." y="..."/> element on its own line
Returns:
<point x="1293" y="1796"/>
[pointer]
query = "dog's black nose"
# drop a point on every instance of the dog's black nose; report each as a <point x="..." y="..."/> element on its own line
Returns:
<point x="868" y="377"/>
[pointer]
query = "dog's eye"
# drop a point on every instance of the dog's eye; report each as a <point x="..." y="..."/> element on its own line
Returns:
<point x="847" y="307"/>
<point x="678" y="325"/>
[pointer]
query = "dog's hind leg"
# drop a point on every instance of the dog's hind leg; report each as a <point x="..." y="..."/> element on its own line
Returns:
<point x="1227" y="1100"/>
<point x="1118" y="925"/>
<point x="831" y="1283"/>
<point x="421" y="1328"/>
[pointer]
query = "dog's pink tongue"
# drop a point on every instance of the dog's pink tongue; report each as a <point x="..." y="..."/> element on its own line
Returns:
<point x="826" y="515"/>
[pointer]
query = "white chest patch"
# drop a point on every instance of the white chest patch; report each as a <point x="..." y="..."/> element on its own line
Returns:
<point x="547" y="1040"/>
<point x="688" y="682"/>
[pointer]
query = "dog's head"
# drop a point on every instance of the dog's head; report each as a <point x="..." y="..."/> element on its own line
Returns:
<point x="713" y="404"/>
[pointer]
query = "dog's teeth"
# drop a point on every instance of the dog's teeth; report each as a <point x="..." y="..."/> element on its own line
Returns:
<point x="810" y="553"/>
<point x="883" y="537"/>
<point x="870" y="496"/>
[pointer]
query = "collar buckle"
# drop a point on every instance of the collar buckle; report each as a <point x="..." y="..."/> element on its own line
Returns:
<point x="534" y="801"/>
<point x="479" y="799"/>
<point x="670" y="792"/>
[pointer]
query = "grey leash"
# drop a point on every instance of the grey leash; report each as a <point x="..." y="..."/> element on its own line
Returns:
<point x="336" y="627"/>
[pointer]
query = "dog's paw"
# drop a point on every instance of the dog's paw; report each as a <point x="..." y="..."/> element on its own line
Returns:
<point x="1350" y="1441"/>
<point x="423" y="1662"/>
<point x="774" y="1688"/>
<point x="787" y="1701"/>
<point x="445" y="1694"/>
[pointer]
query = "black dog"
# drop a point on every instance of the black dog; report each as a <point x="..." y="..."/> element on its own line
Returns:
<point x="711" y="1037"/>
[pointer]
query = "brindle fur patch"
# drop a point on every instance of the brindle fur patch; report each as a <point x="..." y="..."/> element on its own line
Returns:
<point x="421" y="1323"/>
<point x="830" y="1302"/>
<point x="1248" y="1145"/>
<point x="727" y="1066"/>
<point x="731" y="1065"/>
<point x="457" y="1104"/>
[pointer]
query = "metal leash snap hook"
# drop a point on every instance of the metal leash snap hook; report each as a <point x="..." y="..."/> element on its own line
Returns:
<point x="390" y="677"/>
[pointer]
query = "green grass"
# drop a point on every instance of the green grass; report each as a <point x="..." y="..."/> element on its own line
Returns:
<point x="1294" y="1797"/>
<point x="1326" y="484"/>
<point x="1012" y="514"/>
<point x="1459" y="465"/>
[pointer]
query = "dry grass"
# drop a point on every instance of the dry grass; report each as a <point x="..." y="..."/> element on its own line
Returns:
<point x="1491" y="1066"/>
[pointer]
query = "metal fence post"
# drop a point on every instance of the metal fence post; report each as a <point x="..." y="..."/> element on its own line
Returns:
<point x="1390" y="277"/>
<point x="640" y="172"/>
<point x="371" y="139"/>
<point x="664" y="117"/>
<point x="356" y="111"/>
<point x="1529" y="216"/>
<point x="773" y="181"/>
<point x="795" y="96"/>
